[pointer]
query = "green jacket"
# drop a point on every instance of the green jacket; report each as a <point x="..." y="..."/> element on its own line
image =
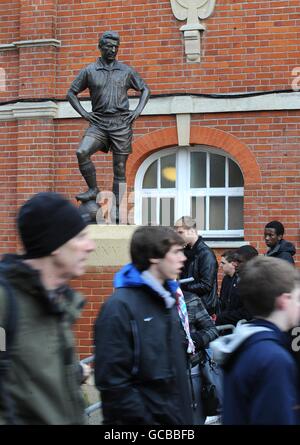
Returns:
<point x="44" y="375"/>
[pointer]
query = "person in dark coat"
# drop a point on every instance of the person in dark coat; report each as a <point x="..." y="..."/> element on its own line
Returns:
<point x="228" y="265"/>
<point x="232" y="306"/>
<point x="261" y="382"/>
<point x="140" y="356"/>
<point x="203" y="331"/>
<point x="40" y="374"/>
<point x="201" y="264"/>
<point x="278" y="247"/>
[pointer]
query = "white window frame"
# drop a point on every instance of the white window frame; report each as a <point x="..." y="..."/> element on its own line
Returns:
<point x="182" y="204"/>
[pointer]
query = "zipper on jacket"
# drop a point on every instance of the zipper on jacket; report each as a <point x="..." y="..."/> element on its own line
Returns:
<point x="136" y="348"/>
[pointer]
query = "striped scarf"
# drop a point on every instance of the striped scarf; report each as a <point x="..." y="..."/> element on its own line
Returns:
<point x="183" y="315"/>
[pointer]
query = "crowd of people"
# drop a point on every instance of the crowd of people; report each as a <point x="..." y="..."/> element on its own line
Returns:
<point x="153" y="335"/>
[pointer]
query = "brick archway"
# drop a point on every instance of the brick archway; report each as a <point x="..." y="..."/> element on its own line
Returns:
<point x="157" y="140"/>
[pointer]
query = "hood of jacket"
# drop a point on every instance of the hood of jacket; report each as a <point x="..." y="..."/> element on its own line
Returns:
<point x="282" y="246"/>
<point x="27" y="280"/>
<point x="130" y="276"/>
<point x="224" y="348"/>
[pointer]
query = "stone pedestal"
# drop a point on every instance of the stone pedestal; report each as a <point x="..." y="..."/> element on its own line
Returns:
<point x="112" y="244"/>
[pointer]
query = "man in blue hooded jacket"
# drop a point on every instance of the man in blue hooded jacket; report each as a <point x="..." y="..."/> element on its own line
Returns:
<point x="140" y="354"/>
<point x="261" y="381"/>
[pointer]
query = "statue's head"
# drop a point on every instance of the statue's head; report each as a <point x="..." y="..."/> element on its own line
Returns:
<point x="108" y="45"/>
<point x="109" y="35"/>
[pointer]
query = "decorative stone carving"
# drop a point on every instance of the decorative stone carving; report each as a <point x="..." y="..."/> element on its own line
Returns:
<point x="192" y="11"/>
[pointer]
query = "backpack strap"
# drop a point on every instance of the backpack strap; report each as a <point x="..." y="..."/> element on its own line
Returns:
<point x="5" y="363"/>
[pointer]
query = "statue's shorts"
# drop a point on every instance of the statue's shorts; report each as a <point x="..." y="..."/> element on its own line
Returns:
<point x="113" y="133"/>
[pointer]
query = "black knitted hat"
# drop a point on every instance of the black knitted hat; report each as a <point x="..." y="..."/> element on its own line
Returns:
<point x="46" y="222"/>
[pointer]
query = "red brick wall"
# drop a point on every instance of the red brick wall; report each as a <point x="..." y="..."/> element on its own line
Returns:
<point x="9" y="32"/>
<point x="248" y="47"/>
<point x="96" y="285"/>
<point x="8" y="186"/>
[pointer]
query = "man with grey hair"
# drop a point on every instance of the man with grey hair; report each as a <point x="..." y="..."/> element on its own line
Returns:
<point x="111" y="120"/>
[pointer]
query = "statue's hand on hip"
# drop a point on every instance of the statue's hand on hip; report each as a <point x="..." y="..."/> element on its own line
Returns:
<point x="132" y="116"/>
<point x="91" y="117"/>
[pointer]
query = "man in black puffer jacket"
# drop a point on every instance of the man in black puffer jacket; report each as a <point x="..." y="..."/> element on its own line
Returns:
<point x="201" y="264"/>
<point x="278" y="247"/>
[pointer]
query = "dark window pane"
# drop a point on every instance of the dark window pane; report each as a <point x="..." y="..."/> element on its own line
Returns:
<point x="217" y="213"/>
<point x="150" y="178"/>
<point x="198" y="170"/>
<point x="198" y="205"/>
<point x="235" y="175"/>
<point x="217" y="171"/>
<point x="168" y="171"/>
<point x="235" y="213"/>
<point x="149" y="212"/>
<point x="166" y="212"/>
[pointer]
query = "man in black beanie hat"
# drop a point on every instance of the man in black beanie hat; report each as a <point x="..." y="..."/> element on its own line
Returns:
<point x="39" y="373"/>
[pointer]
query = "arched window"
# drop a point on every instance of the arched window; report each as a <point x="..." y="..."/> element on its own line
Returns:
<point x="199" y="181"/>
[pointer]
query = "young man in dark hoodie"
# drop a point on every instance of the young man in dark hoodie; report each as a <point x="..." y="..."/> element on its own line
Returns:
<point x="278" y="247"/>
<point x="261" y="381"/>
<point x="140" y="356"/>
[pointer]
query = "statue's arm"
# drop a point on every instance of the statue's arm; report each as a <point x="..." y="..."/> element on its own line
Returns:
<point x="144" y="97"/>
<point x="74" y="101"/>
<point x="78" y="85"/>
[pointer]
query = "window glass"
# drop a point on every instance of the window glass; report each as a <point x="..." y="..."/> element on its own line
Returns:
<point x="168" y="171"/>
<point x="235" y="175"/>
<point x="217" y="213"/>
<point x="235" y="212"/>
<point x="150" y="178"/>
<point x="217" y="171"/>
<point x="166" y="212"/>
<point x="198" y="205"/>
<point x="198" y="169"/>
<point x="149" y="212"/>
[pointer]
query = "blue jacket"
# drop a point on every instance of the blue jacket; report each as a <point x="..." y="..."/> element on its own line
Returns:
<point x="140" y="359"/>
<point x="260" y="376"/>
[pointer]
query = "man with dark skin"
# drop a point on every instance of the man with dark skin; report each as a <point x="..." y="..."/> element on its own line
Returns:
<point x="278" y="247"/>
<point x="110" y="120"/>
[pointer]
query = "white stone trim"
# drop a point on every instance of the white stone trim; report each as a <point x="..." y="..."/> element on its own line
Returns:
<point x="183" y="122"/>
<point x="28" y="110"/>
<point x="7" y="46"/>
<point x="194" y="104"/>
<point x="225" y="244"/>
<point x="178" y="105"/>
<point x="29" y="43"/>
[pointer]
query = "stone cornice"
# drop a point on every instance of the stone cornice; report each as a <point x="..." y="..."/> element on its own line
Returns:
<point x="30" y="43"/>
<point x="173" y="105"/>
<point x="28" y="110"/>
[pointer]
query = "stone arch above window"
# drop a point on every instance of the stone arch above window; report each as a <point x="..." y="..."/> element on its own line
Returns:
<point x="212" y="137"/>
